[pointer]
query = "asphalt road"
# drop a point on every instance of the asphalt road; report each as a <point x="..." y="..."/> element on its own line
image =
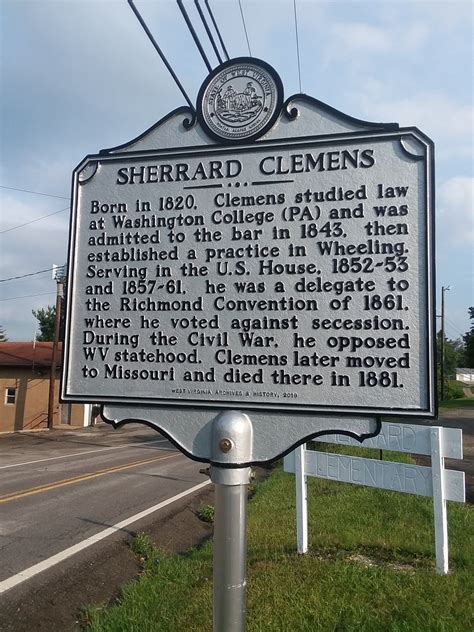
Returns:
<point x="59" y="488"/>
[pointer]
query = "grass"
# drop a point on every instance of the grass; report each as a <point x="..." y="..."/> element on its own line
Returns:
<point x="206" y="513"/>
<point x="370" y="568"/>
<point x="464" y="402"/>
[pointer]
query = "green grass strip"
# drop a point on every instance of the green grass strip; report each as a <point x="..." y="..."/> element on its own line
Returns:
<point x="371" y="567"/>
<point x="456" y="403"/>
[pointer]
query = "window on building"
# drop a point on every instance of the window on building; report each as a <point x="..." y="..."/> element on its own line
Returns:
<point x="10" y="395"/>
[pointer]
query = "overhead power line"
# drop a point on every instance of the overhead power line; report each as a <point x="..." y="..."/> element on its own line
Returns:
<point x="39" y="277"/>
<point x="160" y="53"/>
<point x="61" y="197"/>
<point x="34" y="220"/>
<point x="208" y="31"/>
<point x="206" y="2"/>
<point x="12" y="298"/>
<point x="185" y="15"/>
<point x="297" y="43"/>
<point x="22" y="276"/>
<point x="245" y="27"/>
<point x="454" y="326"/>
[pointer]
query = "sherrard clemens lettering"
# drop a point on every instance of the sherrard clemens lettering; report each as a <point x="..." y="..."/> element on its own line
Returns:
<point x="268" y="166"/>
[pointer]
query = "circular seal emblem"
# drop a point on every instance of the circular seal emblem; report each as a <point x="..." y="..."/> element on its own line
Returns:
<point x="240" y="100"/>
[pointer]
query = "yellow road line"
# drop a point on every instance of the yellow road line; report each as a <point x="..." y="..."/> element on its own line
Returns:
<point x="77" y="479"/>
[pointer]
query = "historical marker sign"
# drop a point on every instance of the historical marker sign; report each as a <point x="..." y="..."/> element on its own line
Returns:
<point x="293" y="274"/>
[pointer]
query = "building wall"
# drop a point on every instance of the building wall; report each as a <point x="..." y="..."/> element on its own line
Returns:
<point x="30" y="410"/>
<point x="466" y="376"/>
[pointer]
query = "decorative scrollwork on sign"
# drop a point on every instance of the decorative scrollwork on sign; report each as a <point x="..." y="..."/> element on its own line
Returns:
<point x="412" y="147"/>
<point x="291" y="113"/>
<point x="190" y="121"/>
<point x="88" y="172"/>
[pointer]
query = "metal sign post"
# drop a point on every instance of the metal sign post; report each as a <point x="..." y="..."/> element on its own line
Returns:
<point x="230" y="547"/>
<point x="232" y="433"/>
<point x="253" y="259"/>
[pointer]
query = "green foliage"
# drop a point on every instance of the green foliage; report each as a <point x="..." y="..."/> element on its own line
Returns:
<point x="454" y="355"/>
<point x="45" y="317"/>
<point x="144" y="548"/>
<point x="206" y="513"/>
<point x="453" y="390"/>
<point x="142" y="545"/>
<point x="469" y="342"/>
<point x="457" y="403"/>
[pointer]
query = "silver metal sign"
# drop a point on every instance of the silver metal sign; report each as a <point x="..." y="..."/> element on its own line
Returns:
<point x="288" y="276"/>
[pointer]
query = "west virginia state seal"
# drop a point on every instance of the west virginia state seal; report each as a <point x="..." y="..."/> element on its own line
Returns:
<point x="240" y="100"/>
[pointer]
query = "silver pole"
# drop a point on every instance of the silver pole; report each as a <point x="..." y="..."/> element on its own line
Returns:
<point x="232" y="440"/>
<point x="230" y="547"/>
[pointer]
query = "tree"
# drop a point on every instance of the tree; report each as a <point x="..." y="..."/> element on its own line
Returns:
<point x="45" y="317"/>
<point x="469" y="342"/>
<point x="454" y="357"/>
<point x="3" y="335"/>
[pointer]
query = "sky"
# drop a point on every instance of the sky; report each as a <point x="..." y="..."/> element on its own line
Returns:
<point x="77" y="76"/>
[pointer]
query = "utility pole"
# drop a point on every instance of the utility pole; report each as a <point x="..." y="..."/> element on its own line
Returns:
<point x="442" y="352"/>
<point x="59" y="274"/>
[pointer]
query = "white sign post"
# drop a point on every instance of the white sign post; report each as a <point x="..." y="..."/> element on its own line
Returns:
<point x="440" y="500"/>
<point x="301" y="500"/>
<point x="435" y="481"/>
